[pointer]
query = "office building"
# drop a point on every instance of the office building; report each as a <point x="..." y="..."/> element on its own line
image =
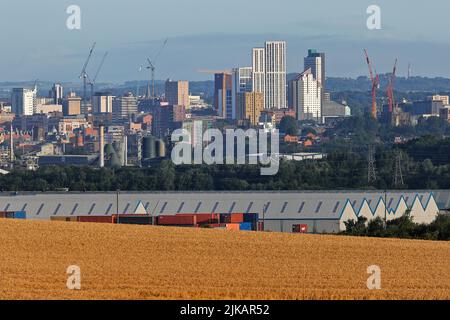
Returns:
<point x="57" y="93"/>
<point x="223" y="95"/>
<point x="241" y="82"/>
<point x="102" y="102"/>
<point x="167" y="118"/>
<point x="251" y="104"/>
<point x="316" y="62"/>
<point x="307" y="97"/>
<point x="177" y="93"/>
<point x="125" y="107"/>
<point x="71" y="105"/>
<point x="23" y="101"/>
<point x="275" y="71"/>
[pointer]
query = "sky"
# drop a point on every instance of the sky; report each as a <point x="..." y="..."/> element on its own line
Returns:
<point x="216" y="34"/>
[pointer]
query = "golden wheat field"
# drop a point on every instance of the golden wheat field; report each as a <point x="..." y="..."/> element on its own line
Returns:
<point x="143" y="262"/>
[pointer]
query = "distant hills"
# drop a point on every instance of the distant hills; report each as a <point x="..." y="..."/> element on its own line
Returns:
<point x="206" y="88"/>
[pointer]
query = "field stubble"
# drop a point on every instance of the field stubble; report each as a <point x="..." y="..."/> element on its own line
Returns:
<point x="142" y="262"/>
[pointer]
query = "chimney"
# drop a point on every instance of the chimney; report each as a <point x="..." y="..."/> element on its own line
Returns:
<point x="102" y="146"/>
<point x="125" y="150"/>
<point x="11" y="141"/>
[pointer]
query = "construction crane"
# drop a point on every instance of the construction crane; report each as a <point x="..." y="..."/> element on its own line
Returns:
<point x="84" y="76"/>
<point x="390" y="88"/>
<point x="92" y="82"/>
<point x="152" y="67"/>
<point x="374" y="77"/>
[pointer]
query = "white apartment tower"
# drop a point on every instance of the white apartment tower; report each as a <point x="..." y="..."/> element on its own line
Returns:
<point x="259" y="70"/>
<point x="275" y="70"/>
<point x="23" y="101"/>
<point x="307" y="96"/>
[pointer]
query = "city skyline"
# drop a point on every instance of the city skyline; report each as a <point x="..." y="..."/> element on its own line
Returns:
<point x="209" y="41"/>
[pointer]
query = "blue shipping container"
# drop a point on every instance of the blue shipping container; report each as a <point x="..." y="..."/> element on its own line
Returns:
<point x="246" y="226"/>
<point x="20" y="215"/>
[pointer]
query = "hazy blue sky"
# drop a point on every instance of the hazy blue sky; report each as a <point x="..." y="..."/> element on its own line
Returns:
<point x="212" y="34"/>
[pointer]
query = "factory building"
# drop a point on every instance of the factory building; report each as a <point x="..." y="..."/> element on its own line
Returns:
<point x="320" y="212"/>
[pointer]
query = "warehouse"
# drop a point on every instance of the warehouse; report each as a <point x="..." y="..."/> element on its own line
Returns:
<point x="320" y="212"/>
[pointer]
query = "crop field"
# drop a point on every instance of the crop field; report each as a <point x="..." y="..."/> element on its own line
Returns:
<point x="142" y="262"/>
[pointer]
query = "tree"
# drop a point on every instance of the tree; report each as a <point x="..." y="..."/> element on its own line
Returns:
<point x="288" y="125"/>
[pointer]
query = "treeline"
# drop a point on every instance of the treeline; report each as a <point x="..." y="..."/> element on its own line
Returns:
<point x="340" y="170"/>
<point x="403" y="227"/>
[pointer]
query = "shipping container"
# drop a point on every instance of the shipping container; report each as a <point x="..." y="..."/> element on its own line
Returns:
<point x="247" y="226"/>
<point x="203" y="218"/>
<point x="178" y="220"/>
<point x="20" y="215"/>
<point x="95" y="219"/>
<point x="139" y="219"/>
<point x="233" y="226"/>
<point x="10" y="215"/>
<point x="261" y="226"/>
<point x="225" y="218"/>
<point x="251" y="217"/>
<point x="237" y="217"/>
<point x="68" y="219"/>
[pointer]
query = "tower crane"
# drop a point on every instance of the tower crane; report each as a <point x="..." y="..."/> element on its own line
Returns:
<point x="390" y="88"/>
<point x="374" y="77"/>
<point x="152" y="67"/>
<point x="84" y="76"/>
<point x="92" y="82"/>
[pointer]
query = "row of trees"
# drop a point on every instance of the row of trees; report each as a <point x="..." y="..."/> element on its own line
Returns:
<point x="340" y="170"/>
<point x="403" y="227"/>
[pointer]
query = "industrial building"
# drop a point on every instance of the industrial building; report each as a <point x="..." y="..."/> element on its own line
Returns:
<point x="321" y="212"/>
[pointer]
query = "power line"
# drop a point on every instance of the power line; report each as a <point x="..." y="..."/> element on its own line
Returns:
<point x="371" y="165"/>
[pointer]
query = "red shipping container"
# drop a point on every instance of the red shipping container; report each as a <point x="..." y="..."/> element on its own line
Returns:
<point x="202" y="217"/>
<point x="95" y="219"/>
<point x="179" y="220"/>
<point x="237" y="218"/>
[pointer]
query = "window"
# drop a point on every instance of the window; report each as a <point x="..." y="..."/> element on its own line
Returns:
<point x="39" y="210"/>
<point x="283" y="209"/>
<point x="319" y="206"/>
<point x="74" y="209"/>
<point x="108" y="209"/>
<point x="249" y="207"/>
<point x="181" y="207"/>
<point x="126" y="208"/>
<point x="163" y="207"/>
<point x="92" y="208"/>
<point x="232" y="207"/>
<point x="57" y="209"/>
<point x="336" y="206"/>
<point x="198" y="207"/>
<point x="302" y="205"/>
